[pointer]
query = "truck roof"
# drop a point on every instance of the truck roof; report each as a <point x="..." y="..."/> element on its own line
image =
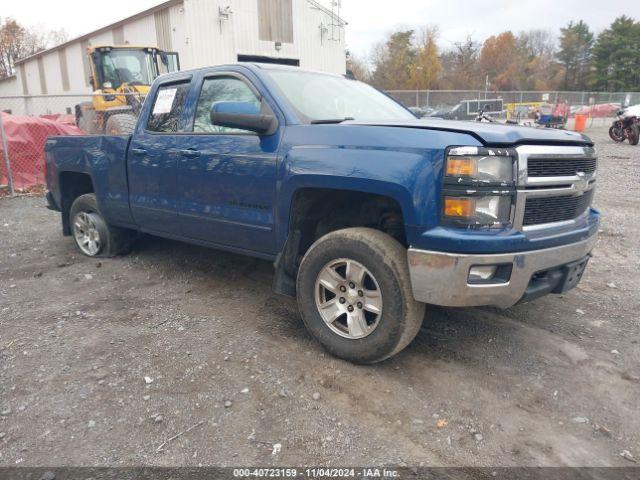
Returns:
<point x="255" y="67"/>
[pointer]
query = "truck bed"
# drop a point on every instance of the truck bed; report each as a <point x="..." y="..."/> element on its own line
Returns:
<point x="101" y="156"/>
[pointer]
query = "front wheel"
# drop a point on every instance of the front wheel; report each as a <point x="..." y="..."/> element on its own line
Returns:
<point x="354" y="295"/>
<point x="92" y="234"/>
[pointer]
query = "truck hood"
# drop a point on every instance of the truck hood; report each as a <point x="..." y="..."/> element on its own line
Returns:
<point x="490" y="134"/>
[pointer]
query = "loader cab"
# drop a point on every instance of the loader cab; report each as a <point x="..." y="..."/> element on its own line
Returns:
<point x="121" y="77"/>
<point x="114" y="67"/>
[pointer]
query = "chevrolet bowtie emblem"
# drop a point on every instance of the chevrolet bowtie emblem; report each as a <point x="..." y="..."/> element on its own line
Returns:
<point x="582" y="183"/>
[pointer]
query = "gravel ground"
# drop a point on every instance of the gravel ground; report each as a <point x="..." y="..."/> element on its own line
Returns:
<point x="102" y="362"/>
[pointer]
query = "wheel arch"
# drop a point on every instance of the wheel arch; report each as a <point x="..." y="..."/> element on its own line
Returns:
<point x="72" y="185"/>
<point x="309" y="212"/>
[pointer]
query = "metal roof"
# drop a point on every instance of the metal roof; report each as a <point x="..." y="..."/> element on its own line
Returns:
<point x="149" y="11"/>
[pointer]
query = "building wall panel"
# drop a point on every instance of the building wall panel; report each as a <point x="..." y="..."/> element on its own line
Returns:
<point x="52" y="73"/>
<point x="64" y="69"/>
<point x="10" y="86"/>
<point x="103" y="38"/>
<point x="78" y="63"/>
<point x="178" y="32"/>
<point x="141" y="32"/>
<point x="33" y="80"/>
<point x="118" y="35"/>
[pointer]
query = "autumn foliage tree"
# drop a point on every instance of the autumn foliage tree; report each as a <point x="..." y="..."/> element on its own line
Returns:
<point x="425" y="71"/>
<point x="17" y="41"/>
<point x="460" y="69"/>
<point x="571" y="59"/>
<point x="499" y="61"/>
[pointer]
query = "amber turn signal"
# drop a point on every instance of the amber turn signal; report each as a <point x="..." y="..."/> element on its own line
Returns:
<point x="460" y="207"/>
<point x="462" y="167"/>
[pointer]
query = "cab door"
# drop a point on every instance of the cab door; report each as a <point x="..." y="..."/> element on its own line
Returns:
<point x="228" y="175"/>
<point x="152" y="162"/>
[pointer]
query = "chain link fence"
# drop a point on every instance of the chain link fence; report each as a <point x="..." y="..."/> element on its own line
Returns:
<point x="28" y="119"/>
<point x="438" y="99"/>
<point x="599" y="107"/>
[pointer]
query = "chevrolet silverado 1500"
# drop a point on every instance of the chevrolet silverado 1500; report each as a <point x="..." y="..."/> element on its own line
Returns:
<point x="367" y="212"/>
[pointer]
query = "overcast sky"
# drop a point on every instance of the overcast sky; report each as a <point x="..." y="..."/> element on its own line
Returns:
<point x="369" y="20"/>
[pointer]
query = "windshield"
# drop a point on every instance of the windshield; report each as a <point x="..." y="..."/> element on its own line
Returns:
<point x="134" y="67"/>
<point x="326" y="97"/>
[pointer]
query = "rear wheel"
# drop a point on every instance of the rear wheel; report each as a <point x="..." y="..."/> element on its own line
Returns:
<point x="633" y="134"/>
<point x="120" y="124"/>
<point x="354" y="295"/>
<point x="92" y="234"/>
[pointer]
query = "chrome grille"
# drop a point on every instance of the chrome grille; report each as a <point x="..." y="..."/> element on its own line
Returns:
<point x="555" y="184"/>
<point x="555" y="209"/>
<point x="560" y="167"/>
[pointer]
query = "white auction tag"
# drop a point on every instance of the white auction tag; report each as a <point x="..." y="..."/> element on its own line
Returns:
<point x="164" y="101"/>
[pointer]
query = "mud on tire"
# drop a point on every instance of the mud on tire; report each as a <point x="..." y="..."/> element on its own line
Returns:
<point x="386" y="260"/>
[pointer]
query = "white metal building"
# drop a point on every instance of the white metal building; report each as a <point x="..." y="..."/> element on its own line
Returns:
<point x="203" y="32"/>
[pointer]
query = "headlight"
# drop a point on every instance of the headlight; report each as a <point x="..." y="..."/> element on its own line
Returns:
<point x="485" y="210"/>
<point x="479" y="165"/>
<point x="479" y="187"/>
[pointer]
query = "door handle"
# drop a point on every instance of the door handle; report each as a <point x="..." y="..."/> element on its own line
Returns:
<point x="190" y="153"/>
<point x="138" y="151"/>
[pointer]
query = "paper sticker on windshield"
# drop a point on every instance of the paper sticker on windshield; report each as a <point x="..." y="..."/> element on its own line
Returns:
<point x="164" y="101"/>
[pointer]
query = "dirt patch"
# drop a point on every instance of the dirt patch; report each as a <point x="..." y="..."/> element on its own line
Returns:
<point x="103" y="361"/>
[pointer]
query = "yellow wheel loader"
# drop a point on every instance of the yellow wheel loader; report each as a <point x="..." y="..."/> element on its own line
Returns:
<point x="121" y="77"/>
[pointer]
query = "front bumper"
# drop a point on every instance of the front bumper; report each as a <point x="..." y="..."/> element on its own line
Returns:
<point x="441" y="278"/>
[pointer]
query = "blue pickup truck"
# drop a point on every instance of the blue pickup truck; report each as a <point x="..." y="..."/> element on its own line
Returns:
<point x="367" y="212"/>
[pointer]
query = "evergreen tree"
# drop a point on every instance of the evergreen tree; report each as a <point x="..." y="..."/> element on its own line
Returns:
<point x="576" y="43"/>
<point x="616" y="57"/>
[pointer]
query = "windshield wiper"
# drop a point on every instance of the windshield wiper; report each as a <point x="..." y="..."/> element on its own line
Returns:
<point x="330" y="120"/>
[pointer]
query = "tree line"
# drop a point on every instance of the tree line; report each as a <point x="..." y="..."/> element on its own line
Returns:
<point x="18" y="41"/>
<point x="576" y="59"/>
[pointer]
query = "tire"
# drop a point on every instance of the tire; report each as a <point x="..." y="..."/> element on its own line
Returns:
<point x="387" y="273"/>
<point x="93" y="236"/>
<point x="615" y="135"/>
<point x="120" y="124"/>
<point x="634" y="134"/>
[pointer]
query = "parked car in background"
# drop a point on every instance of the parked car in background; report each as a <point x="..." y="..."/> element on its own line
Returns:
<point x="368" y="213"/>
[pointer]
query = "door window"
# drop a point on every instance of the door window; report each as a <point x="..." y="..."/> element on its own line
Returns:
<point x="221" y="89"/>
<point x="167" y="107"/>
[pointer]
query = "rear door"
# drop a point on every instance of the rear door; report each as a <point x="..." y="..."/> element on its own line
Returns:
<point x="153" y="160"/>
<point x="229" y="175"/>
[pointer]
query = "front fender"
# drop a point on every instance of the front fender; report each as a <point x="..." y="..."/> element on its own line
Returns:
<point x="393" y="174"/>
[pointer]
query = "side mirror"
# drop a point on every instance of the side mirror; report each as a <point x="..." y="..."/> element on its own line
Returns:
<point x="244" y="116"/>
